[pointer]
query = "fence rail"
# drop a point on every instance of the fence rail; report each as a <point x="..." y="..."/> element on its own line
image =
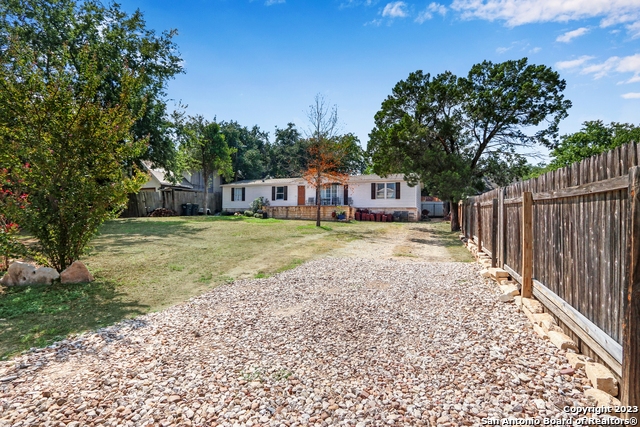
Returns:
<point x="569" y="237"/>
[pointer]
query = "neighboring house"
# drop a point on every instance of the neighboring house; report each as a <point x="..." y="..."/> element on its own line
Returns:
<point x="388" y="195"/>
<point x="158" y="192"/>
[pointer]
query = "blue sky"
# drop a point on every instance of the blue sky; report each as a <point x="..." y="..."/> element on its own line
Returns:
<point x="263" y="61"/>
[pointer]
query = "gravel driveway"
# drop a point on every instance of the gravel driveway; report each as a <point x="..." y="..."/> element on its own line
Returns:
<point x="333" y="342"/>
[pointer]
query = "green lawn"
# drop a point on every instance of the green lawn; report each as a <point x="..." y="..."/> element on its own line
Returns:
<point x="147" y="264"/>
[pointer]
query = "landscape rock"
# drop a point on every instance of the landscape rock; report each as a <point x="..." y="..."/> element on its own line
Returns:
<point x="497" y="273"/>
<point x="485" y="273"/>
<point x="602" y="398"/>
<point x="322" y="344"/>
<point x="601" y="378"/>
<point x="577" y="361"/>
<point x="24" y="274"/>
<point x="76" y="273"/>
<point x="541" y="332"/>
<point x="562" y="341"/>
<point x="509" y="289"/>
<point x="533" y="305"/>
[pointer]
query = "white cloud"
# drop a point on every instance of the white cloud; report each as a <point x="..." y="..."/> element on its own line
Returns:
<point x="438" y="8"/>
<point x="535" y="50"/>
<point x="503" y="49"/>
<point x="631" y="95"/>
<point x="375" y="23"/>
<point x="271" y="2"/>
<point x="395" y="9"/>
<point x="634" y="29"/>
<point x="573" y="63"/>
<point x="570" y="35"/>
<point x="427" y="14"/>
<point x="519" y="12"/>
<point x="602" y="69"/>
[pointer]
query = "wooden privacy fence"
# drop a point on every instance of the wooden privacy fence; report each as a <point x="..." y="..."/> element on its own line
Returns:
<point x="571" y="238"/>
<point x="142" y="203"/>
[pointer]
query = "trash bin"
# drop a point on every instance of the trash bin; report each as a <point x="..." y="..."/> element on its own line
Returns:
<point x="183" y="210"/>
<point x="189" y="211"/>
<point x="195" y="209"/>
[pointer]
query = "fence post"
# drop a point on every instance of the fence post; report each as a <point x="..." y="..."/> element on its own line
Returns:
<point x="479" y="226"/>
<point x="494" y="233"/>
<point x="527" y="244"/>
<point x="630" y="386"/>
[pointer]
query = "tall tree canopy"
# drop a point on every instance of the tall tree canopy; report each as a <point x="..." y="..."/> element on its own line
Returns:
<point x="288" y="154"/>
<point x="203" y="148"/>
<point x="113" y="41"/>
<point x="451" y="133"/>
<point x="250" y="159"/>
<point x="594" y="138"/>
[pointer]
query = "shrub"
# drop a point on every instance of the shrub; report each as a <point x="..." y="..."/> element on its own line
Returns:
<point x="258" y="203"/>
<point x="257" y="215"/>
<point x="248" y="213"/>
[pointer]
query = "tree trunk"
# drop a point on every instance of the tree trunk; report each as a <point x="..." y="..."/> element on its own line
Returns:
<point x="206" y="193"/>
<point x="318" y="205"/>
<point x="455" y="221"/>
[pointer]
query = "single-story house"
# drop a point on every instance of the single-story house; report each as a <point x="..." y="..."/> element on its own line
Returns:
<point x="389" y="195"/>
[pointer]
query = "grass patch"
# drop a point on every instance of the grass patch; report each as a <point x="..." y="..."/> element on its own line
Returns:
<point x="443" y="236"/>
<point x="144" y="265"/>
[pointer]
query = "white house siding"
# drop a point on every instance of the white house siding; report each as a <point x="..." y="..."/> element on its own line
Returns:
<point x="359" y="192"/>
<point x="253" y="191"/>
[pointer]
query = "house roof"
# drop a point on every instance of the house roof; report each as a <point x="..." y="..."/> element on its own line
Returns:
<point x="301" y="181"/>
<point x="159" y="173"/>
<point x="270" y="181"/>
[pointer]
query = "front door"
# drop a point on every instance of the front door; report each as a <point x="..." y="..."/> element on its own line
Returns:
<point x="301" y="195"/>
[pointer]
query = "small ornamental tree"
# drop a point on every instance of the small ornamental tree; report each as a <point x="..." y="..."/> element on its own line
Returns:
<point x="69" y="153"/>
<point x="327" y="152"/>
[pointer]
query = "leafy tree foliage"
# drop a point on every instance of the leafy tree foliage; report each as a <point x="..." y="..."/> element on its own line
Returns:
<point x="203" y="148"/>
<point x="288" y="154"/>
<point x="64" y="147"/>
<point x="449" y="133"/>
<point x="111" y="41"/>
<point x="594" y="138"/>
<point x="250" y="159"/>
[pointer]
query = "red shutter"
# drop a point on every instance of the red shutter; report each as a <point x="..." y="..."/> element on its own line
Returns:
<point x="397" y="190"/>
<point x="243" y="193"/>
<point x="373" y="190"/>
<point x="285" y="192"/>
<point x="346" y="195"/>
<point x="273" y="193"/>
<point x="232" y="194"/>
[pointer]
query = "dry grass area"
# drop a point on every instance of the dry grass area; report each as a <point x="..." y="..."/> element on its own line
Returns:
<point x="144" y="265"/>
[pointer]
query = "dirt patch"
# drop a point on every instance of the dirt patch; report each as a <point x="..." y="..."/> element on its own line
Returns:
<point x="403" y="242"/>
<point x="378" y="285"/>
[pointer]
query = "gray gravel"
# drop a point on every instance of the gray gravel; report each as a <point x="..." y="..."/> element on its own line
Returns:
<point x="333" y="342"/>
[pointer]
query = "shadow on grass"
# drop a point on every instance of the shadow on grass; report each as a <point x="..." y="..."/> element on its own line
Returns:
<point x="36" y="316"/>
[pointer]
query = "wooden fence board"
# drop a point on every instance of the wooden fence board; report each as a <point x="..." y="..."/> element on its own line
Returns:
<point x="581" y="234"/>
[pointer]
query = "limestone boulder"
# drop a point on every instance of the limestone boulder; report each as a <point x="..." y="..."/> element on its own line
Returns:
<point x="76" y="273"/>
<point x="602" y="398"/>
<point x="601" y="378"/>
<point x="562" y="341"/>
<point x="25" y="274"/>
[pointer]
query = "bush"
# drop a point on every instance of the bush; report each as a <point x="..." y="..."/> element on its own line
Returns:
<point x="258" y="203"/>
<point x="248" y="213"/>
<point x="257" y="215"/>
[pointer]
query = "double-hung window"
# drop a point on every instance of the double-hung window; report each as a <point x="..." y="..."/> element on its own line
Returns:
<point x="385" y="190"/>
<point x="279" y="193"/>
<point x="237" y="194"/>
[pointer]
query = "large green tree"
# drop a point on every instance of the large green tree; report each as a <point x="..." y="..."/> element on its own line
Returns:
<point x="288" y="154"/>
<point x="113" y="41"/>
<point x="64" y="149"/>
<point x="451" y="133"/>
<point x="250" y="159"/>
<point x="203" y="148"/>
<point x="594" y="138"/>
